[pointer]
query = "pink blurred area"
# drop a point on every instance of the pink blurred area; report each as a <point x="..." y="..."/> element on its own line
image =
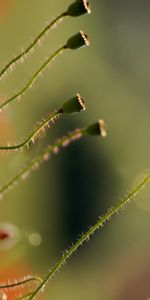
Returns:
<point x="7" y="131"/>
<point x="5" y="6"/>
<point x="15" y="271"/>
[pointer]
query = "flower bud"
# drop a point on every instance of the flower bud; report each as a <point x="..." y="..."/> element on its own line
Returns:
<point x="75" y="104"/>
<point x="97" y="128"/>
<point x="78" y="40"/>
<point x="78" y="8"/>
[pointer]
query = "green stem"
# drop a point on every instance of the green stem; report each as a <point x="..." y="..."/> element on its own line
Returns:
<point x="41" y="157"/>
<point x="25" y="296"/>
<point x="34" y="77"/>
<point x="36" y="132"/>
<point x="85" y="237"/>
<point x="32" y="45"/>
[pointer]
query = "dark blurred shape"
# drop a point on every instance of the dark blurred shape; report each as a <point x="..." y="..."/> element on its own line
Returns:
<point x="78" y="8"/>
<point x="85" y="177"/>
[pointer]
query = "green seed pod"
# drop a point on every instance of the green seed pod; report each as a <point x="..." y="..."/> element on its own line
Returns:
<point x="97" y="128"/>
<point x="78" y="8"/>
<point x="75" y="104"/>
<point x="77" y="41"/>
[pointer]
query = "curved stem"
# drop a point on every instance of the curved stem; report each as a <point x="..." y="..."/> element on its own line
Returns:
<point x="42" y="156"/>
<point x="19" y="282"/>
<point x="85" y="237"/>
<point x="34" y="77"/>
<point x="32" y="45"/>
<point x="36" y="132"/>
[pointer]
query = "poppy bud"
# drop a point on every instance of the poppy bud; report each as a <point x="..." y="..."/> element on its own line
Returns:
<point x="75" y="104"/>
<point x="97" y="128"/>
<point x="78" y="8"/>
<point x="78" y="40"/>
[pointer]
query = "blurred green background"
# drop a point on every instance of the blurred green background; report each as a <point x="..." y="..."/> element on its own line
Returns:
<point x="70" y="191"/>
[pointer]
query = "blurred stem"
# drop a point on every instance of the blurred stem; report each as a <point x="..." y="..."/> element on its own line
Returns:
<point x="85" y="237"/>
<point x="41" y="157"/>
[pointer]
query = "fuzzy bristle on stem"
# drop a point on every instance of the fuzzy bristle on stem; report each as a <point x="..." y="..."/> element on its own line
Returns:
<point x="73" y="105"/>
<point x="86" y="236"/>
<point x="40" y="129"/>
<point x="21" y="56"/>
<point x="19" y="282"/>
<point x="77" y="41"/>
<point x="26" y="296"/>
<point x="76" y="9"/>
<point x="43" y="155"/>
<point x="32" y="80"/>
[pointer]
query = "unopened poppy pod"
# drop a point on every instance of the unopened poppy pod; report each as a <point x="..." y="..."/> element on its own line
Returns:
<point x="78" y="40"/>
<point x="98" y="128"/>
<point x="78" y="8"/>
<point x="74" y="105"/>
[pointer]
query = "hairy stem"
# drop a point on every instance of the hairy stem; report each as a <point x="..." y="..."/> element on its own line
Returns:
<point x="43" y="155"/>
<point x="23" y="54"/>
<point x="85" y="237"/>
<point x="20" y="282"/>
<point x="24" y="296"/>
<point x="36" y="132"/>
<point x="34" y="77"/>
